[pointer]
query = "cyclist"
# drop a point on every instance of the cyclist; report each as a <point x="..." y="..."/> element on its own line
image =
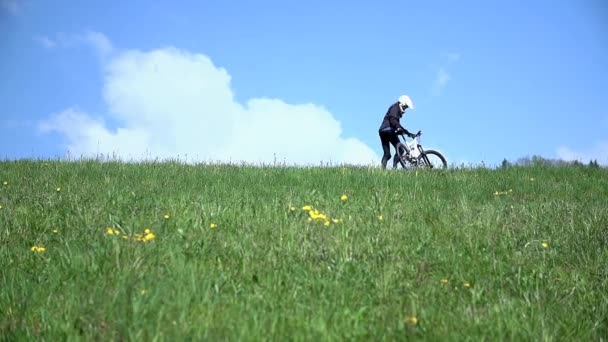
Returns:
<point x="391" y="127"/>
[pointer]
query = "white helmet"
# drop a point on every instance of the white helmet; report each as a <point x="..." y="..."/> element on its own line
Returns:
<point x="405" y="100"/>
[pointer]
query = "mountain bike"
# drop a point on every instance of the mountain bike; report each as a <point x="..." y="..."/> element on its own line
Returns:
<point x="412" y="155"/>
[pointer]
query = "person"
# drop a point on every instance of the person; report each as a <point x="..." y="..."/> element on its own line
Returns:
<point x="391" y="127"/>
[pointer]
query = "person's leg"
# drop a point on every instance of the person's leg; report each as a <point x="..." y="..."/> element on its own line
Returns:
<point x="394" y="139"/>
<point x="385" y="139"/>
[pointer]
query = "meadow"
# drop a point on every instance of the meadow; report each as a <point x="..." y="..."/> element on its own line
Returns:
<point x="163" y="251"/>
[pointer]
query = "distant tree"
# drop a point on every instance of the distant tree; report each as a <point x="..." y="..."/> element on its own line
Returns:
<point x="505" y="163"/>
<point x="594" y="164"/>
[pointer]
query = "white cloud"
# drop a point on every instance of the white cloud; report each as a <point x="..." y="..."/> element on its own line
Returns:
<point x="172" y="103"/>
<point x="96" y="40"/>
<point x="11" y="6"/>
<point x="598" y="152"/>
<point x="442" y="76"/>
<point x="46" y="42"/>
<point x="99" y="42"/>
<point x="453" y="57"/>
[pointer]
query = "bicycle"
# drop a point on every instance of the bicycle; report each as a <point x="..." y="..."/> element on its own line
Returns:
<point x="412" y="155"/>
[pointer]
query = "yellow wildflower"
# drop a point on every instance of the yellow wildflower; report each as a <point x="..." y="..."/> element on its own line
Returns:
<point x="38" y="249"/>
<point x="444" y="281"/>
<point x="380" y="218"/>
<point x="466" y="284"/>
<point x="317" y="215"/>
<point x="5" y="183"/>
<point x="292" y="209"/>
<point x="213" y="226"/>
<point x="307" y="208"/>
<point x="55" y="231"/>
<point x="167" y="216"/>
<point x="411" y="320"/>
<point x="149" y="237"/>
<point x="335" y="220"/>
<point x="0" y="206"/>
<point x="143" y="292"/>
<point x="344" y="197"/>
<point x="112" y="231"/>
<point x="545" y="245"/>
<point x="58" y="189"/>
<point x="326" y="223"/>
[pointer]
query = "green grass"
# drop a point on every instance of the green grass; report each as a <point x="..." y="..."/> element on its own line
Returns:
<point x="267" y="273"/>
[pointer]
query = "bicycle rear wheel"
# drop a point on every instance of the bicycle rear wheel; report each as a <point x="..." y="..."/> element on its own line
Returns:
<point x="433" y="160"/>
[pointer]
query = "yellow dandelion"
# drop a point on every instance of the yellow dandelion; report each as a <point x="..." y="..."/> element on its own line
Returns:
<point x="0" y="206"/>
<point x="58" y="189"/>
<point x="444" y="281"/>
<point x="467" y="284"/>
<point x="147" y="231"/>
<point x="149" y="237"/>
<point x="38" y="249"/>
<point x="380" y="218"/>
<point x="143" y="292"/>
<point x="5" y="183"/>
<point x="335" y="220"/>
<point x="344" y="197"/>
<point x="307" y="208"/>
<point x="112" y="231"/>
<point x="496" y="193"/>
<point x="292" y="209"/>
<point x="317" y="215"/>
<point x="55" y="231"/>
<point x="326" y="223"/>
<point x="125" y="237"/>
<point x="545" y="245"/>
<point x="411" y="320"/>
<point x="167" y="216"/>
<point x="213" y="226"/>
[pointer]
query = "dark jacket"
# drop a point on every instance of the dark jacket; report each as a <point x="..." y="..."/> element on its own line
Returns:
<point x="391" y="118"/>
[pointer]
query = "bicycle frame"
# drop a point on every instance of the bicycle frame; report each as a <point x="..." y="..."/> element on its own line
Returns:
<point x="415" y="154"/>
<point x="414" y="147"/>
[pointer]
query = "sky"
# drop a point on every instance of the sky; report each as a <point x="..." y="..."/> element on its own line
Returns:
<point x="302" y="82"/>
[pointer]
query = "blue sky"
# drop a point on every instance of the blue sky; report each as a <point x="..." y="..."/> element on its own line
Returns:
<point x="303" y="82"/>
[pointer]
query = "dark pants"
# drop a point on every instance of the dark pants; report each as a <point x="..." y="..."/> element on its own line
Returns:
<point x="389" y="137"/>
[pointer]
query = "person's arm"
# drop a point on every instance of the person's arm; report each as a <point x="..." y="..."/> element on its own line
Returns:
<point x="393" y="119"/>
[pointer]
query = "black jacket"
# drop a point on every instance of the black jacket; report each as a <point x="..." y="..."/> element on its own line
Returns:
<point x="391" y="118"/>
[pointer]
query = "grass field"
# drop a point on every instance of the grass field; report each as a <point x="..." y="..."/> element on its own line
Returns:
<point x="166" y="251"/>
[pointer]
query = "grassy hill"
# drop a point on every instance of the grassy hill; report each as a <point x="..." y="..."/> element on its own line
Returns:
<point x="165" y="251"/>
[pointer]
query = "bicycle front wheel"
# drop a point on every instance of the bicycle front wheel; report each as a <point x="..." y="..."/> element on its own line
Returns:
<point x="400" y="155"/>
<point x="433" y="160"/>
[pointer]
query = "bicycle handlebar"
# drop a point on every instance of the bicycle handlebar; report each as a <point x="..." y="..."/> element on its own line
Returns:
<point x="415" y="135"/>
